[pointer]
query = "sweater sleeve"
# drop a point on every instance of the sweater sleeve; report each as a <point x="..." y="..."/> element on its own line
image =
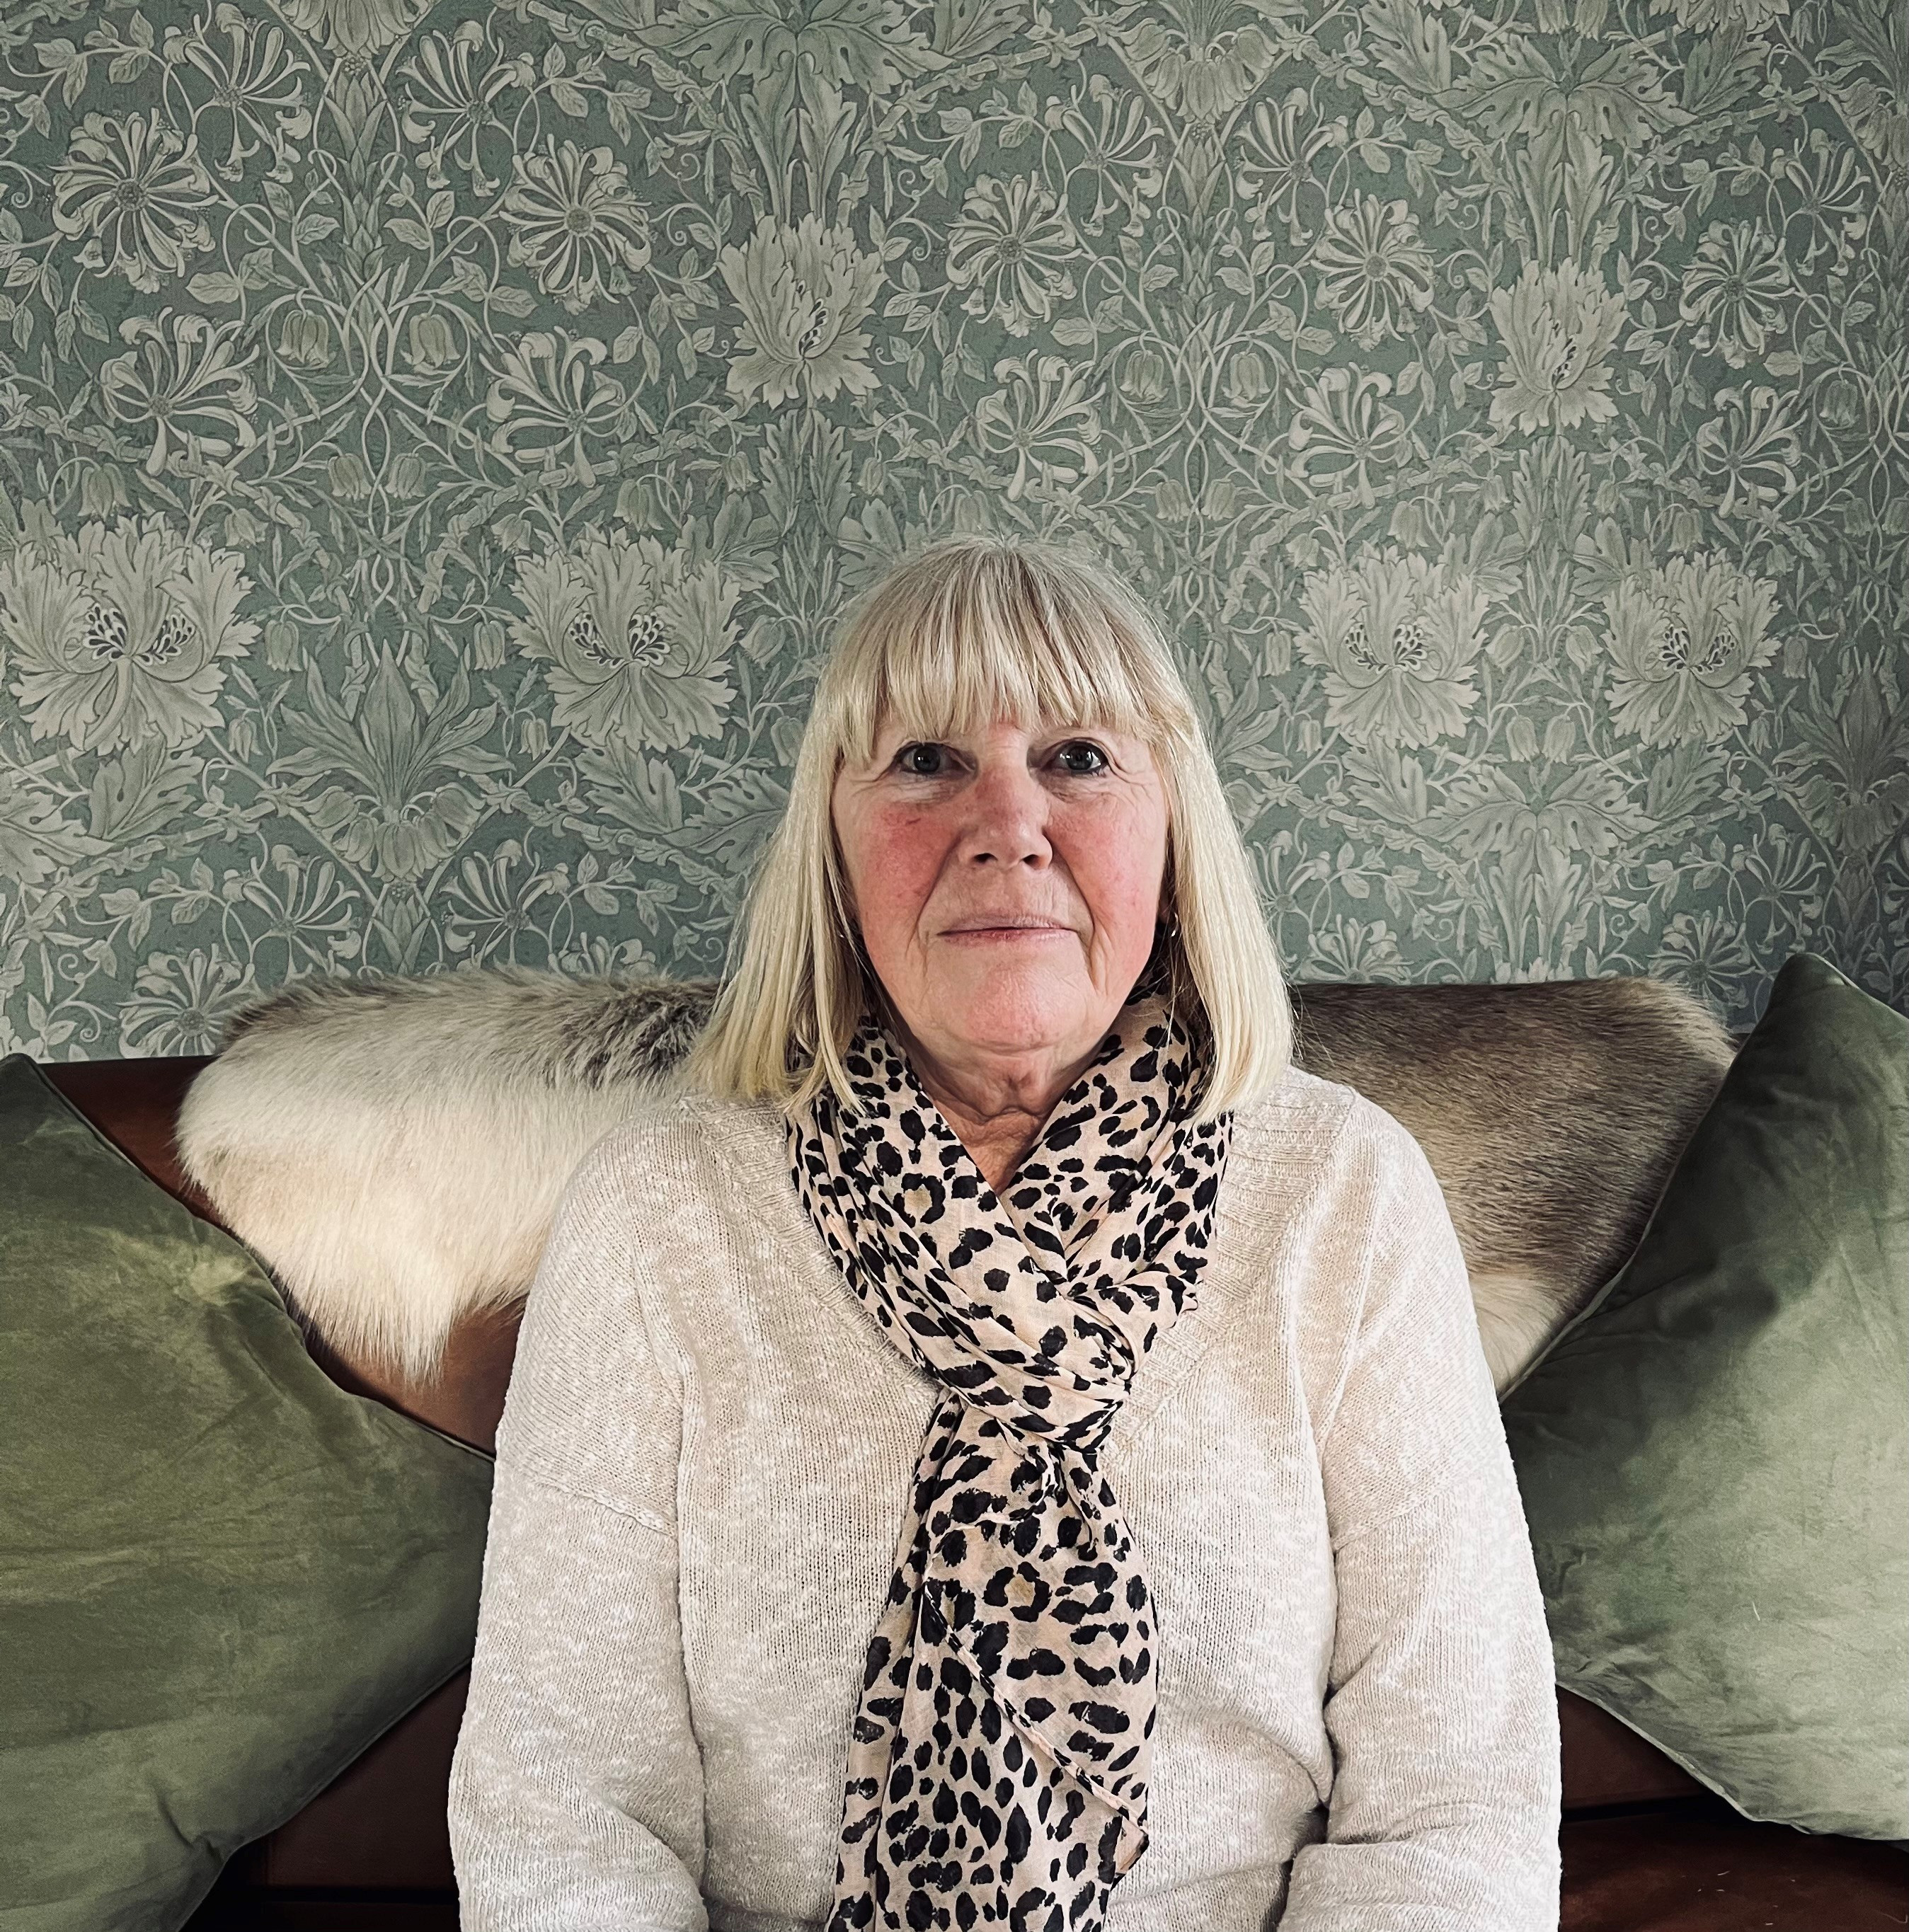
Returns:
<point x="1442" y="1709"/>
<point x="576" y="1799"/>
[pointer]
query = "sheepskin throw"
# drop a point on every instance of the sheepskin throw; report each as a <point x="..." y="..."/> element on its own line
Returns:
<point x="394" y="1150"/>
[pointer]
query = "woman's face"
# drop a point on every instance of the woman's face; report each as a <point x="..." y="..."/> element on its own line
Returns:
<point x="1006" y="883"/>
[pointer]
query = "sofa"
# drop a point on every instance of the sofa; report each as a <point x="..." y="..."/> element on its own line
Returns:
<point x="1645" y="1848"/>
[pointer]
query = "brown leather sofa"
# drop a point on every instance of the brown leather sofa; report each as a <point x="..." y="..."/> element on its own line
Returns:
<point x="1645" y="1848"/>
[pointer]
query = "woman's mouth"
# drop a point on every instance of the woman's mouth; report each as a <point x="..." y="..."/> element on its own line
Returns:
<point x="1023" y="931"/>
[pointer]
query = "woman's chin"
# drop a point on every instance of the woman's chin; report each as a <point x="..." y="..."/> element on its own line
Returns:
<point x="1010" y="1011"/>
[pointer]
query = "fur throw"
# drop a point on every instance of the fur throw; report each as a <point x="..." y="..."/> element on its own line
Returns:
<point x="394" y="1151"/>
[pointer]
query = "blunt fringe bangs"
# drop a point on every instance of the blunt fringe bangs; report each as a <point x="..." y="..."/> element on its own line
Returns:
<point x="964" y="633"/>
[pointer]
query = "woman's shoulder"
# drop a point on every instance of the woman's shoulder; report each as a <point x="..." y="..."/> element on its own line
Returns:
<point x="682" y="1144"/>
<point x="1306" y="1134"/>
<point x="601" y="1358"/>
<point x="649" y="1200"/>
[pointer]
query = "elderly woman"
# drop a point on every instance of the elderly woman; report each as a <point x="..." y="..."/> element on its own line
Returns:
<point x="1000" y="1446"/>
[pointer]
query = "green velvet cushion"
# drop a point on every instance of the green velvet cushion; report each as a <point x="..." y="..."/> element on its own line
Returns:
<point x="1714" y="1453"/>
<point x="221" y="1576"/>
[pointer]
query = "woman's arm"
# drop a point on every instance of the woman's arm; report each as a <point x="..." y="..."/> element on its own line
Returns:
<point x="577" y="1789"/>
<point x="1442" y="1706"/>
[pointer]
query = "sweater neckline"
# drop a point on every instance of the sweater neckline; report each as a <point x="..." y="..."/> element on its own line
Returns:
<point x="752" y="1135"/>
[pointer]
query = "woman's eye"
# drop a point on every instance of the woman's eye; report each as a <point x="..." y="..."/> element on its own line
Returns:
<point x="922" y="761"/>
<point x="1093" y="759"/>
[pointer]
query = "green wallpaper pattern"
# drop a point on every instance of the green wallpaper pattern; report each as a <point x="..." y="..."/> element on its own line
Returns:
<point x="434" y="440"/>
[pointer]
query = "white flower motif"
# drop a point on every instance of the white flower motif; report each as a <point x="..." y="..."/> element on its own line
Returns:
<point x="802" y="290"/>
<point x="1558" y="324"/>
<point x="1375" y="270"/>
<point x="184" y="377"/>
<point x="121" y="636"/>
<point x="136" y="189"/>
<point x="1396" y="637"/>
<point x="634" y="638"/>
<point x="1008" y="248"/>
<point x="574" y="220"/>
<point x="549" y="402"/>
<point x="1686" y="637"/>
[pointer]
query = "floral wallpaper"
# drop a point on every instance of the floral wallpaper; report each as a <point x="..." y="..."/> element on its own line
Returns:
<point x="435" y="440"/>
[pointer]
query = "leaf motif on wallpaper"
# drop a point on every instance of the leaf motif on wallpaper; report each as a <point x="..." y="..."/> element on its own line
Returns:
<point x="865" y="43"/>
<point x="735" y="814"/>
<point x="1392" y="786"/>
<point x="1206" y="63"/>
<point x="1412" y="45"/>
<point x="135" y="797"/>
<point x="1723" y="63"/>
<point x="963" y="28"/>
<point x="639" y="793"/>
<point x="37" y="841"/>
<point x="402" y="811"/>
<point x="1583" y="808"/>
<point x="1854" y="765"/>
<point x="1682" y="787"/>
<point x="1515" y="88"/>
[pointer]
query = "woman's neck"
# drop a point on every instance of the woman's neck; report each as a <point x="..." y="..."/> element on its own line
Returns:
<point x="998" y="1141"/>
<point x="997" y="1113"/>
<point x="997" y="1107"/>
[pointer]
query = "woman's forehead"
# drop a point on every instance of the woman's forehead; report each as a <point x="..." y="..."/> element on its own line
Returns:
<point x="964" y="675"/>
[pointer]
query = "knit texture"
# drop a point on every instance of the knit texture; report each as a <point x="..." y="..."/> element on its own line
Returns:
<point x="705" y="1456"/>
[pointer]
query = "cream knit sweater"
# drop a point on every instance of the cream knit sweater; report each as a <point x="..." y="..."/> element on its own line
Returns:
<point x="701" y="1472"/>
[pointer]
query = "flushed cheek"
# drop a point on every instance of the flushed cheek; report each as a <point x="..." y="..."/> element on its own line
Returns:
<point x="899" y="858"/>
<point x="1118" y="860"/>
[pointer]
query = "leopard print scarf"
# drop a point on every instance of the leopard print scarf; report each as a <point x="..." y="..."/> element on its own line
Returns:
<point x="1002" y="1748"/>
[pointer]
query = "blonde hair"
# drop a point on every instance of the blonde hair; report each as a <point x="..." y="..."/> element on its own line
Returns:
<point x="962" y="634"/>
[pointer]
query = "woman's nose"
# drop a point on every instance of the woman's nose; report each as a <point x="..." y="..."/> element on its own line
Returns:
<point x="1008" y="807"/>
